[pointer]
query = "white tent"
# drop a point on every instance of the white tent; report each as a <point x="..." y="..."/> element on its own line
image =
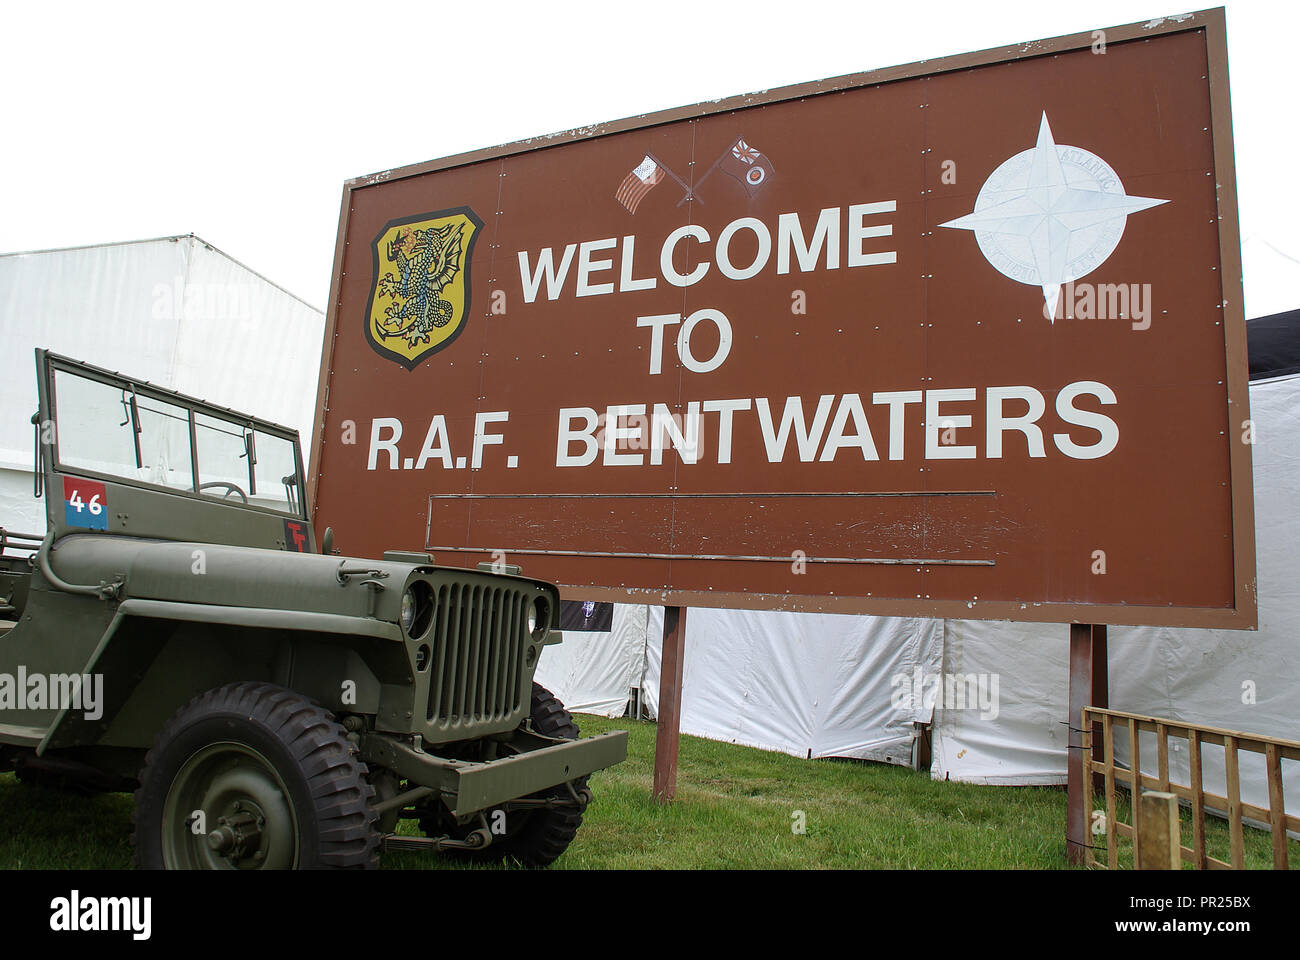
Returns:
<point x="174" y="311"/>
<point x="597" y="669"/>
<point x="827" y="685"/>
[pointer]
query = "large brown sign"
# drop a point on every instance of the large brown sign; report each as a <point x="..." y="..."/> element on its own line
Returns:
<point x="957" y="339"/>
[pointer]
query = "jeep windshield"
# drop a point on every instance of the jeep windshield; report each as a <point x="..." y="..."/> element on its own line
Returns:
<point x="141" y="435"/>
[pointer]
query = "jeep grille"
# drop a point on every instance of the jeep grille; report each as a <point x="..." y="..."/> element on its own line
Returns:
<point x="476" y="667"/>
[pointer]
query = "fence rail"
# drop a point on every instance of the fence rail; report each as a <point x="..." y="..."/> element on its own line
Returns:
<point x="1233" y="742"/>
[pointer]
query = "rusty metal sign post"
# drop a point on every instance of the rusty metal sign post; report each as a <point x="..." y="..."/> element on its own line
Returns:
<point x="668" y="722"/>
<point x="961" y="339"/>
<point x="1088" y="687"/>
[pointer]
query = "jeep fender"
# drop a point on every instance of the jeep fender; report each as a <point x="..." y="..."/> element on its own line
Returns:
<point x="152" y="665"/>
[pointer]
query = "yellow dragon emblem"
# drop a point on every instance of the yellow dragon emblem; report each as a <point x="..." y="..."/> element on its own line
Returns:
<point x="418" y="305"/>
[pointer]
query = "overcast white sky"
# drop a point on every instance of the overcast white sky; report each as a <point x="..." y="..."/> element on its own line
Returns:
<point x="240" y="121"/>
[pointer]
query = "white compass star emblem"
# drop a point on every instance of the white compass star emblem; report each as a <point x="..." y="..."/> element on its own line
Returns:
<point x="1050" y="215"/>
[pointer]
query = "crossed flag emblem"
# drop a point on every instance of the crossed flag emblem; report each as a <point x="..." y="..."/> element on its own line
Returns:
<point x="739" y="161"/>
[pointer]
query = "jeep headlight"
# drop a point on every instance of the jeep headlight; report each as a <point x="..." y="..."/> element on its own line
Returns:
<point x="416" y="614"/>
<point x="539" y="612"/>
<point x="407" y="616"/>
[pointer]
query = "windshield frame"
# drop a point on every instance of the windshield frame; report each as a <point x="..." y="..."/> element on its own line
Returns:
<point x="192" y="405"/>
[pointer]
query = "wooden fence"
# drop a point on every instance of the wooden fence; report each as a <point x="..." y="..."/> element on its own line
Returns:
<point x="1233" y="743"/>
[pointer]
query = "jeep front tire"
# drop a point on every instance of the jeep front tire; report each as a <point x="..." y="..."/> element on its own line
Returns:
<point x="251" y="776"/>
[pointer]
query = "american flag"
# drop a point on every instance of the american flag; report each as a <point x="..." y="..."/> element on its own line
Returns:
<point x="638" y="183"/>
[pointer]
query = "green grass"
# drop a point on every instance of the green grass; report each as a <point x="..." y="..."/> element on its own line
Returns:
<point x="735" y="807"/>
<point x="734" y="810"/>
<point x="49" y="829"/>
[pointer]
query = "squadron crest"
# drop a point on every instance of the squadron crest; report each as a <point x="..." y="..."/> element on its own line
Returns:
<point x="420" y="293"/>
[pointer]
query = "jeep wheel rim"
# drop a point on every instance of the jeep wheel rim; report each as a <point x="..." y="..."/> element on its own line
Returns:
<point x="228" y="809"/>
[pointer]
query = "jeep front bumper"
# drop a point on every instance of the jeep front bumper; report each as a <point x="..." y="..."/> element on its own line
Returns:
<point x="467" y="787"/>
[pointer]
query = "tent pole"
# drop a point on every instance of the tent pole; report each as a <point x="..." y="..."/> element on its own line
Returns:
<point x="670" y="704"/>
<point x="1088" y="687"/>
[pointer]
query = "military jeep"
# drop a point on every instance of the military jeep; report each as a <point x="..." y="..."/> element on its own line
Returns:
<point x="178" y="632"/>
